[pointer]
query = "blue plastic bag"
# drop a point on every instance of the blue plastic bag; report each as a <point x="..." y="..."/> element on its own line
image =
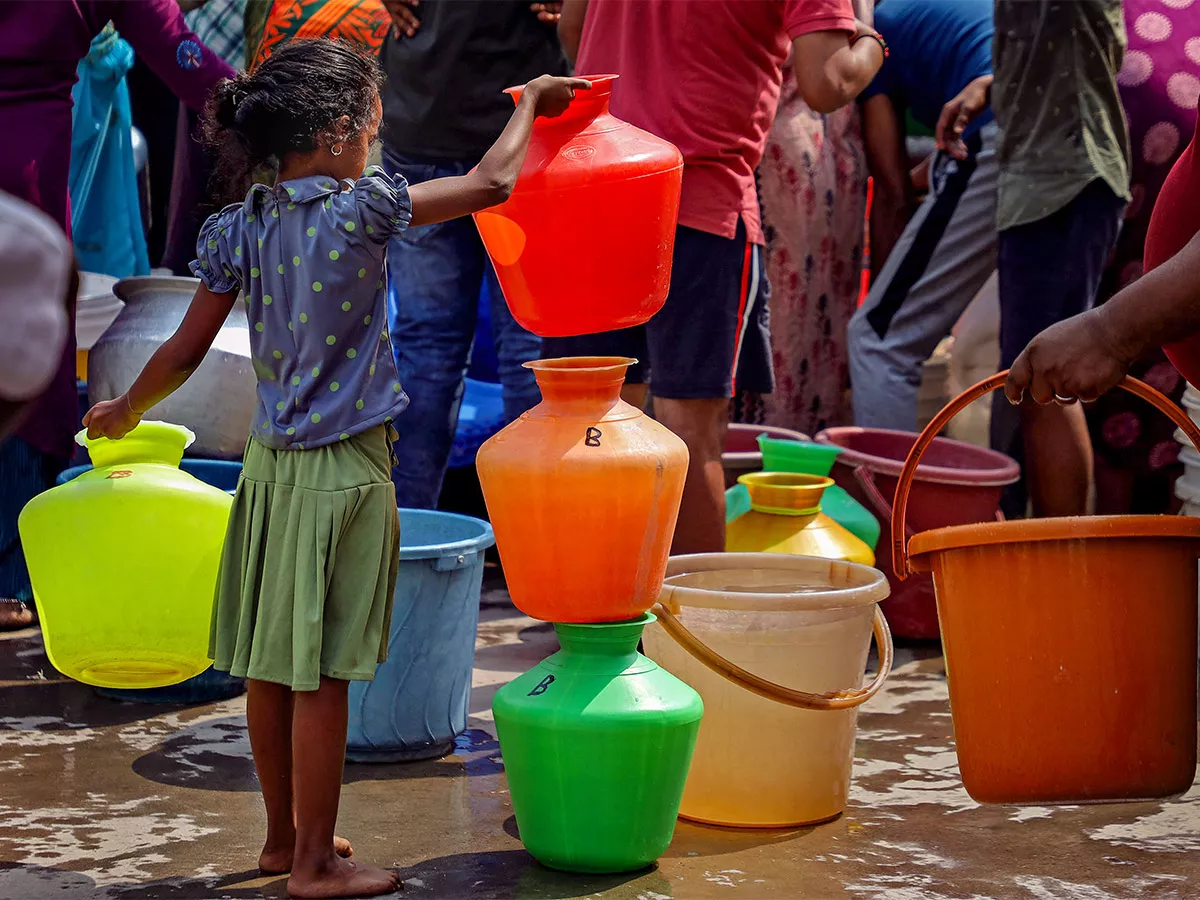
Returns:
<point x="106" y="218"/>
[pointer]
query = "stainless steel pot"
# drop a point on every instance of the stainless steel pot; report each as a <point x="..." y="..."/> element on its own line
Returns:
<point x="217" y="402"/>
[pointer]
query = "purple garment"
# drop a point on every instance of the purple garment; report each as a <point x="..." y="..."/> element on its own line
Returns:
<point x="41" y="45"/>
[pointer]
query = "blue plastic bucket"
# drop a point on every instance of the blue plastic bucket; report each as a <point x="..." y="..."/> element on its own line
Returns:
<point x="417" y="704"/>
<point x="209" y="685"/>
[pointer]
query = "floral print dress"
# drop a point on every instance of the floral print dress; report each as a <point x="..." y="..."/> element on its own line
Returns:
<point x="813" y="189"/>
<point x="1160" y="85"/>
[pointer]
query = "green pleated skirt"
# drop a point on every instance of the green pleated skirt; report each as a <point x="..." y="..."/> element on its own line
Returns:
<point x="309" y="565"/>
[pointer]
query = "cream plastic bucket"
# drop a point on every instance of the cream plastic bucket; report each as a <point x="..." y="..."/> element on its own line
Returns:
<point x="795" y="620"/>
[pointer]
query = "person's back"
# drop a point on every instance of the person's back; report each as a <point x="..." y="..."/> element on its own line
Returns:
<point x="937" y="49"/>
<point x="705" y="76"/>
<point x="444" y="97"/>
<point x="930" y="260"/>
<point x="308" y="255"/>
<point x="1058" y="106"/>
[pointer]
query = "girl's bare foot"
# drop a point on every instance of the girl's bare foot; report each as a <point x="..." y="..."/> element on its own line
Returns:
<point x="337" y="877"/>
<point x="15" y="615"/>
<point x="278" y="860"/>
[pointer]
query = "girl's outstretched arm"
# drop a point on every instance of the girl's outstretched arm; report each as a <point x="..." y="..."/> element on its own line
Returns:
<point x="491" y="182"/>
<point x="1088" y="355"/>
<point x="170" y="366"/>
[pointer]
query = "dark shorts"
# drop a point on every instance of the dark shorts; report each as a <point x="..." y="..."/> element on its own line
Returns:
<point x="1050" y="269"/>
<point x="711" y="337"/>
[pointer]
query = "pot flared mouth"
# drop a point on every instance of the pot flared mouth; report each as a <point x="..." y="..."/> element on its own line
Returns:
<point x="136" y="287"/>
<point x="581" y="364"/>
<point x="785" y="493"/>
<point x="601" y="87"/>
<point x="983" y="534"/>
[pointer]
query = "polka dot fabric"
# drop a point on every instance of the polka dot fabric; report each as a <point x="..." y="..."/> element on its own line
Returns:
<point x="1160" y="88"/>
<point x="310" y="257"/>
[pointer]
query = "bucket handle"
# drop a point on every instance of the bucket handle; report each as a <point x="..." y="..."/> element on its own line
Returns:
<point x="769" y="689"/>
<point x="866" y="481"/>
<point x="870" y="489"/>
<point x="900" y="506"/>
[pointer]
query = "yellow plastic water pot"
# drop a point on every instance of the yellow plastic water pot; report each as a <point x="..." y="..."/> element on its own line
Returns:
<point x="785" y="517"/>
<point x="124" y="562"/>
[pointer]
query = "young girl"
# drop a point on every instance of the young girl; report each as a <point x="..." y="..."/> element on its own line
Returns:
<point x="305" y="591"/>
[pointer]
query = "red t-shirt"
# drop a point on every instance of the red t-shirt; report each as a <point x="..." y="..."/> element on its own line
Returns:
<point x="1173" y="224"/>
<point x="704" y="75"/>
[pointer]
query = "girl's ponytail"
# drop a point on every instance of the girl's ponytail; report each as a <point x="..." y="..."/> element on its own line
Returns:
<point x="235" y="165"/>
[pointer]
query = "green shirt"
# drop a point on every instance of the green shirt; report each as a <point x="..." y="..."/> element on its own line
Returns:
<point x="1055" y="99"/>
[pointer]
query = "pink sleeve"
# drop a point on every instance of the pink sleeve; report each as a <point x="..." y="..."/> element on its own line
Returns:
<point x="806" y="16"/>
<point x="160" y="36"/>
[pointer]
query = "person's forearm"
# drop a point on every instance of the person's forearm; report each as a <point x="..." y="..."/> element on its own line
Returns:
<point x="498" y="170"/>
<point x="169" y="367"/>
<point x="488" y="184"/>
<point x="1161" y="307"/>
<point x="889" y="216"/>
<point x="570" y="27"/>
<point x="864" y="11"/>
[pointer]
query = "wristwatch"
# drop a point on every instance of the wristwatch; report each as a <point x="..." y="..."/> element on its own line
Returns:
<point x="875" y="36"/>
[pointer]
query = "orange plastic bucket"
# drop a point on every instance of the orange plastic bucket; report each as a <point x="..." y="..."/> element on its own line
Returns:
<point x="1070" y="643"/>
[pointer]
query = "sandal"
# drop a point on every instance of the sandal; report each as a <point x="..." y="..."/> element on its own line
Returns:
<point x="15" y="615"/>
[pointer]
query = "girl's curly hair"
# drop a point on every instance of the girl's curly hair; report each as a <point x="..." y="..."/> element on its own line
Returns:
<point x="285" y="105"/>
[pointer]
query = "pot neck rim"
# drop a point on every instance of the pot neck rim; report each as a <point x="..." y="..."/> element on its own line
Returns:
<point x="785" y="493"/>
<point x="608" y="639"/>
<point x="149" y="442"/>
<point x="581" y="379"/>
<point x="587" y="104"/>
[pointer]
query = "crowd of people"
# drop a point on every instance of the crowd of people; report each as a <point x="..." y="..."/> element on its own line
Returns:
<point x="1061" y="154"/>
<point x="1056" y="125"/>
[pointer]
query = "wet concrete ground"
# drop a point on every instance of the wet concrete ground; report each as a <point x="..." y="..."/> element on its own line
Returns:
<point x="100" y="799"/>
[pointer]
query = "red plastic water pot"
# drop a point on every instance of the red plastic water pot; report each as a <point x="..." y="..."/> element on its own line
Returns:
<point x="585" y="242"/>
<point x="956" y="483"/>
<point x="1070" y="643"/>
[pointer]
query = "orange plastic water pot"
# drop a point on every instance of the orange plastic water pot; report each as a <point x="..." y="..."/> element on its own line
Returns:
<point x="584" y="243"/>
<point x="583" y="492"/>
<point x="1070" y="643"/>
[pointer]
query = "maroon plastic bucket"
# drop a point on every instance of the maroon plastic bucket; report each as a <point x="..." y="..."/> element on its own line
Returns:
<point x="956" y="484"/>
<point x="742" y="453"/>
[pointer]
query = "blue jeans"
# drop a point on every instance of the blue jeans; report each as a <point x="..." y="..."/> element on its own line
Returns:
<point x="438" y="272"/>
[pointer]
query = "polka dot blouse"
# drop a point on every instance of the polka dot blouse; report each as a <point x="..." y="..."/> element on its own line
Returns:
<point x="309" y="256"/>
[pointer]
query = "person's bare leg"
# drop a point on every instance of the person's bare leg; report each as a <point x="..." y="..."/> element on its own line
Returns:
<point x="702" y="425"/>
<point x="318" y="753"/>
<point x="634" y="394"/>
<point x="1058" y="458"/>
<point x="269" y="716"/>
<point x="1114" y="489"/>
